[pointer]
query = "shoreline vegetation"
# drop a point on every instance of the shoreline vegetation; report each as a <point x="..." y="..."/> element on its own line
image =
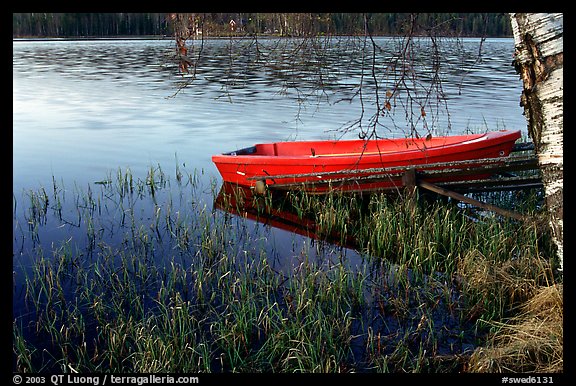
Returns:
<point x="146" y="277"/>
<point x="262" y="24"/>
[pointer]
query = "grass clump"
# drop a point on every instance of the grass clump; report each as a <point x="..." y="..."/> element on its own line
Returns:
<point x="529" y="342"/>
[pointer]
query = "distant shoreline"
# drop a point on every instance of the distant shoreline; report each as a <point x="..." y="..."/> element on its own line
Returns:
<point x="166" y="37"/>
<point x="83" y="38"/>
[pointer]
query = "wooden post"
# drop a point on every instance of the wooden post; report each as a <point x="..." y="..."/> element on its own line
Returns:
<point x="410" y="185"/>
<point x="409" y="180"/>
<point x="260" y="187"/>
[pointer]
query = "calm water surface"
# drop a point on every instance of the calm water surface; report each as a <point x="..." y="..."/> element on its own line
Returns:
<point x="83" y="108"/>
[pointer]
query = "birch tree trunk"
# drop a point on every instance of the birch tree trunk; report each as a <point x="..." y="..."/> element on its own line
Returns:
<point x="539" y="57"/>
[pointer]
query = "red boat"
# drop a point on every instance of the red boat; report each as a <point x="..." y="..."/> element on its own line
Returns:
<point x="357" y="164"/>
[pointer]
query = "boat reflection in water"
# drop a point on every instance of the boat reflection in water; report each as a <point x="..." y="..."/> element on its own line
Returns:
<point x="282" y="210"/>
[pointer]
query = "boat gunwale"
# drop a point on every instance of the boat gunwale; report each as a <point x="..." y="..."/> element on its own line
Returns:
<point x="467" y="144"/>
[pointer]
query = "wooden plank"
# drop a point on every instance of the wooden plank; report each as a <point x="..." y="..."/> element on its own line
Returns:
<point x="468" y="200"/>
<point x="498" y="188"/>
<point x="408" y="176"/>
<point x="473" y="185"/>
<point x="528" y="164"/>
<point x="467" y="166"/>
<point x="493" y="184"/>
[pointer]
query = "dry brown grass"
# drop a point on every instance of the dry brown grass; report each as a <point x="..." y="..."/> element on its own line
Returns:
<point x="532" y="341"/>
<point x="494" y="287"/>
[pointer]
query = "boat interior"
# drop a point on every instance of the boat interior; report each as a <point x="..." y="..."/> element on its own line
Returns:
<point x="349" y="147"/>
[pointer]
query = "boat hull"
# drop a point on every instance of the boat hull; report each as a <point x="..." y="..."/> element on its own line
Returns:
<point x="351" y="164"/>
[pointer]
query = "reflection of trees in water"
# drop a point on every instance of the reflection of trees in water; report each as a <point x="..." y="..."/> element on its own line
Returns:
<point x="401" y="83"/>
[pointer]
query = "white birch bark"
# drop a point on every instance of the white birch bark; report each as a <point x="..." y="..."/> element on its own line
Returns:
<point x="539" y="57"/>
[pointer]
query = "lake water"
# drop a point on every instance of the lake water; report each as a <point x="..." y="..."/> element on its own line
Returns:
<point x="83" y="108"/>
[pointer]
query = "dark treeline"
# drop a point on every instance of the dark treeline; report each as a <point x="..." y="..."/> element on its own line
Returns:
<point x="88" y="24"/>
<point x="282" y="24"/>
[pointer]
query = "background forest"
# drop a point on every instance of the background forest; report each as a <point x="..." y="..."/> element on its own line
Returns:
<point x="282" y="24"/>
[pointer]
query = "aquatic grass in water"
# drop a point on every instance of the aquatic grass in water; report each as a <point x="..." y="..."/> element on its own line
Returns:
<point x="136" y="275"/>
